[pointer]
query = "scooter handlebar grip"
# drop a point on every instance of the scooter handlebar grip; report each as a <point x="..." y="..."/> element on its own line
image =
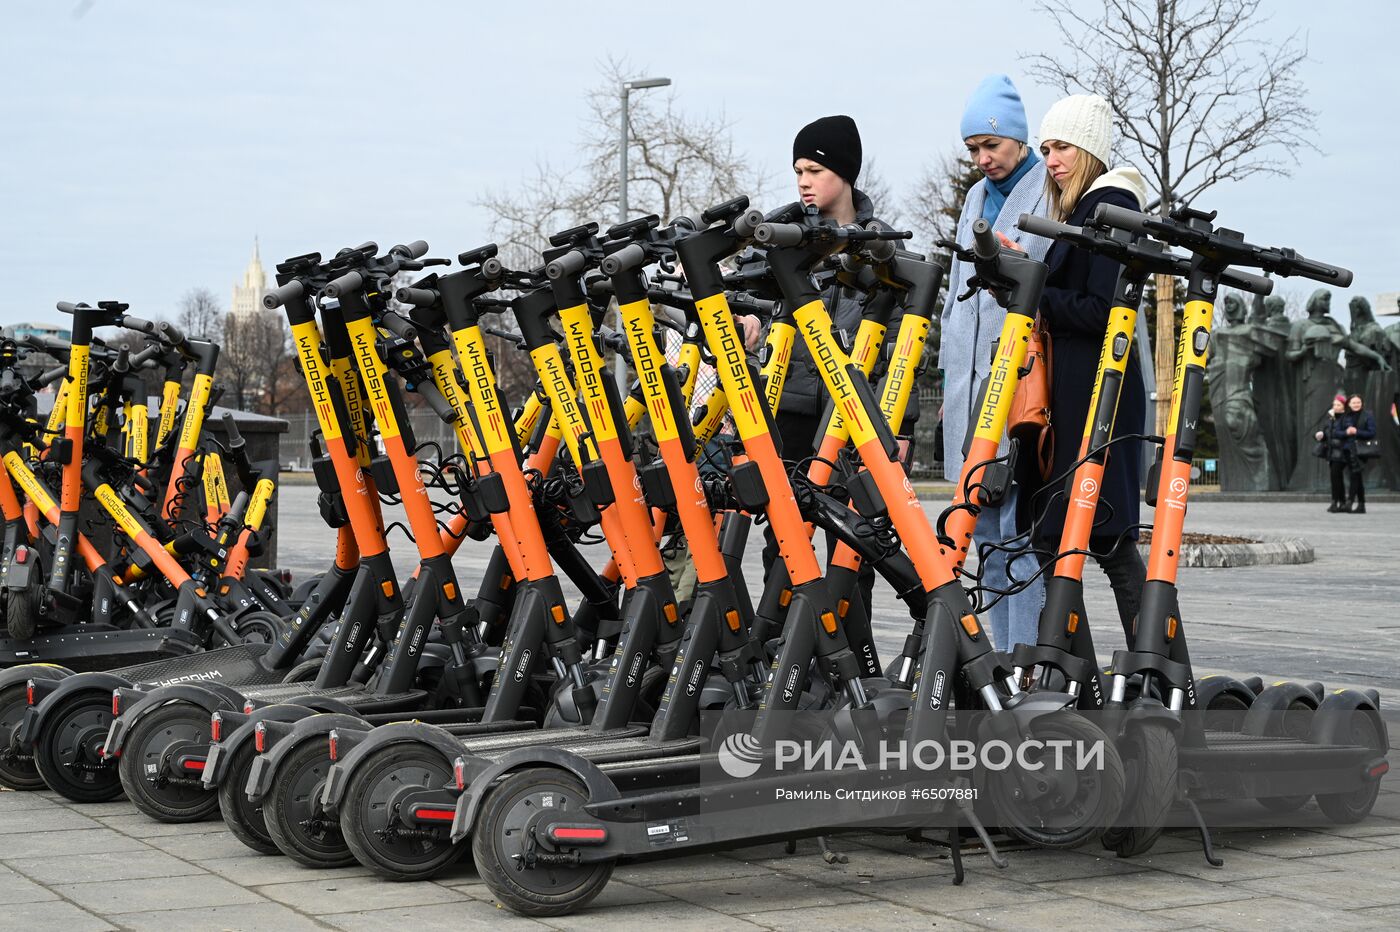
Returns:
<point x="747" y="222"/>
<point x="1245" y="281"/>
<point x="624" y="260"/>
<point x="570" y="263"/>
<point x="235" y="438"/>
<point x="1043" y="226"/>
<point x="414" y="250"/>
<point x="170" y="333"/>
<point x="778" y="234"/>
<point x="429" y="393"/>
<point x="350" y="281"/>
<point x="1121" y="218"/>
<point x="984" y="241"/>
<point x="67" y="307"/>
<point x="398" y="325"/>
<point x="1321" y="271"/>
<point x="139" y="324"/>
<point x="493" y="268"/>
<point x="418" y="297"/>
<point x="879" y="250"/>
<point x="283" y="293"/>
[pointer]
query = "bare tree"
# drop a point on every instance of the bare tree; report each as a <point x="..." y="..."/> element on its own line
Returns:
<point x="199" y="315"/>
<point x="1200" y="96"/>
<point x="251" y="359"/>
<point x="678" y="164"/>
<point x="936" y="200"/>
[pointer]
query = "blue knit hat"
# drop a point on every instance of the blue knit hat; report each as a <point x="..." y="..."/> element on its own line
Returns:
<point x="995" y="109"/>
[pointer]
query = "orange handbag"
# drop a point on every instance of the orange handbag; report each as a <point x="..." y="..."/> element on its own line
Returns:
<point x="1029" y="420"/>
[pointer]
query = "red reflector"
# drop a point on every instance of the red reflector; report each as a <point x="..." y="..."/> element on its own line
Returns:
<point x="247" y="707"/>
<point x="260" y="738"/>
<point x="1379" y="770"/>
<point x="21" y="554"/>
<point x="334" y="745"/>
<point x="435" y="815"/>
<point x="561" y="833"/>
<point x="116" y="703"/>
<point x="29" y="693"/>
<point x="193" y="763"/>
<point x="216" y="724"/>
<point x="459" y="773"/>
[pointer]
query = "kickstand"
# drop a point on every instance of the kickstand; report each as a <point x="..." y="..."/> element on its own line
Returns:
<point x="965" y="807"/>
<point x="1206" y="846"/>
<point x="955" y="855"/>
<point x="790" y="847"/>
<point x="829" y="854"/>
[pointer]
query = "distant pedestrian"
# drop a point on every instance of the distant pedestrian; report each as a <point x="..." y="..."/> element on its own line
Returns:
<point x="1341" y="441"/>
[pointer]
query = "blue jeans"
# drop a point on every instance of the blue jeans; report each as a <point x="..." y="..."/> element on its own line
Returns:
<point x="1013" y="619"/>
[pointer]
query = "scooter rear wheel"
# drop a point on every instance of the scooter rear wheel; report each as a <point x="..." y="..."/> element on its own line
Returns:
<point x="503" y="833"/>
<point x="17" y="773"/>
<point x="1150" y="763"/>
<point x="1346" y="808"/>
<point x="1076" y="804"/>
<point x="244" y="817"/>
<point x="66" y="750"/>
<point x="155" y="784"/>
<point x="292" y="809"/>
<point x="368" y="816"/>
<point x="22" y="608"/>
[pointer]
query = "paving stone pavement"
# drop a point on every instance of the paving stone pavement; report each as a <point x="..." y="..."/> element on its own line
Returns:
<point x="69" y="867"/>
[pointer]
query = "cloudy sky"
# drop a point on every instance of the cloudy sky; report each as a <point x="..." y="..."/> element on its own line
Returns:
<point x="144" y="143"/>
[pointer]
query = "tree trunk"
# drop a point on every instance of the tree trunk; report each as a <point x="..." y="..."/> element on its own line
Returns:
<point x="1166" y="348"/>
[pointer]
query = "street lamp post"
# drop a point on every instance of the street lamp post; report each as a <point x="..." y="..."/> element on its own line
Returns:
<point x="627" y="87"/>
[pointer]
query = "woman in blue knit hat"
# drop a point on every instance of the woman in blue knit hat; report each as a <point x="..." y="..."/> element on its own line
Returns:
<point x="995" y="132"/>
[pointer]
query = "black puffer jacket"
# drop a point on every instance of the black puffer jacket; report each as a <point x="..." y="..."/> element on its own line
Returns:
<point x="803" y="392"/>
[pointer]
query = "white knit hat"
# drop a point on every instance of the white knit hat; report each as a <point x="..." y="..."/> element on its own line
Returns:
<point x="1082" y="120"/>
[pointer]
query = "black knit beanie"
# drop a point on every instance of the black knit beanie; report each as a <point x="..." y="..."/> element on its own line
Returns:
<point x="833" y="142"/>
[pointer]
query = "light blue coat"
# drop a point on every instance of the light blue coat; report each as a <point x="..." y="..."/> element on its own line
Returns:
<point x="970" y="328"/>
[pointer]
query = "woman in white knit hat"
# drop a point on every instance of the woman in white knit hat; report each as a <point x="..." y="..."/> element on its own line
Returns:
<point x="1076" y="141"/>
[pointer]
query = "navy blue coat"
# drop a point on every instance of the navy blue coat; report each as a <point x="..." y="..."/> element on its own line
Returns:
<point x="1343" y="445"/>
<point x="1078" y="296"/>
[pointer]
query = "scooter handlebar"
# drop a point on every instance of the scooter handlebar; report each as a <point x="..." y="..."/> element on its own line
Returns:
<point x="350" y="281"/>
<point x="170" y="333"/>
<point x="282" y="294"/>
<point x="235" y="438"/>
<point x="68" y="307"/>
<point x="779" y="234"/>
<point x="398" y="325"/>
<point x="984" y="241"/>
<point x="747" y="222"/>
<point x="418" y="297"/>
<point x="1043" y="226"/>
<point x="624" y="260"/>
<point x="1318" y="271"/>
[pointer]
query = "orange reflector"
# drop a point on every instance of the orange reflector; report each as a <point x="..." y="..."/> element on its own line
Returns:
<point x="842" y="607"/>
<point x="223" y="590"/>
<point x="1171" y="627"/>
<point x="558" y="612"/>
<point x="785" y="598"/>
<point x="731" y="617"/>
<point x="969" y="623"/>
<point x="1073" y="624"/>
<point x="670" y="611"/>
<point x="505" y="581"/>
<point x="200" y="592"/>
<point x="387" y="587"/>
<point x="828" y="622"/>
<point x="450" y="591"/>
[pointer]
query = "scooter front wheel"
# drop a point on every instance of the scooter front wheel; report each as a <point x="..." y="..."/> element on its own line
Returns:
<point x="1150" y="762"/>
<point x="1066" y="805"/>
<point x="371" y="822"/>
<point x="503" y="838"/>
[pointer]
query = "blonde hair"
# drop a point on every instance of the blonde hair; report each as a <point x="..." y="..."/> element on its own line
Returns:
<point x="1087" y="169"/>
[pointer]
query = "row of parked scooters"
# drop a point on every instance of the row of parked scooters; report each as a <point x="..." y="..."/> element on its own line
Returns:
<point x="399" y="722"/>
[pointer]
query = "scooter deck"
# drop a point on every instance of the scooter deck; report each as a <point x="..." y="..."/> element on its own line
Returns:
<point x="84" y="648"/>
<point x="238" y="665"/>
<point x="358" y="697"/>
<point x="1237" y="766"/>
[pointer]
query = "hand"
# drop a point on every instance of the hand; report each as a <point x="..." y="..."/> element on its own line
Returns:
<point x="748" y="323"/>
<point x="903" y="445"/>
<point x="1351" y="431"/>
<point x="1317" y="436"/>
<point x="1009" y="243"/>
